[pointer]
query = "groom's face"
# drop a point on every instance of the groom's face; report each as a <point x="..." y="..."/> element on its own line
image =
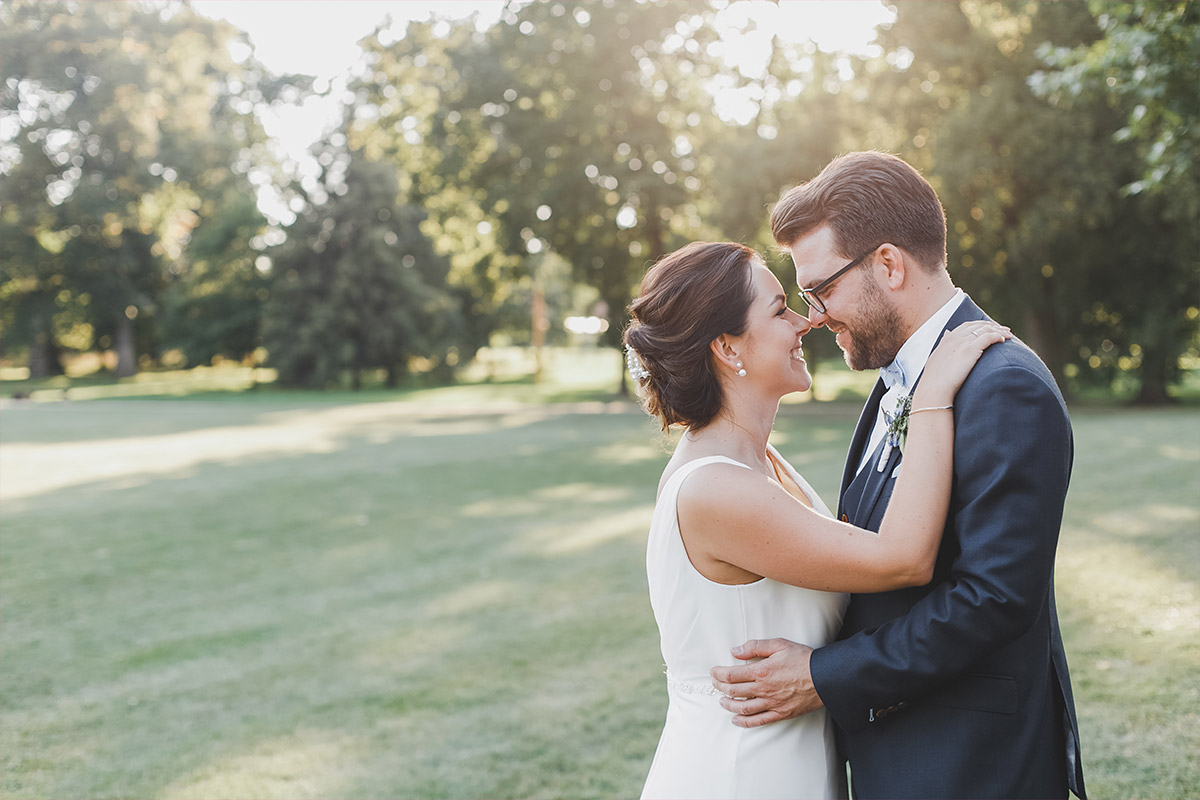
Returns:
<point x="866" y="322"/>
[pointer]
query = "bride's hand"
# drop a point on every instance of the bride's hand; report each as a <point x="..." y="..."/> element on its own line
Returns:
<point x="954" y="357"/>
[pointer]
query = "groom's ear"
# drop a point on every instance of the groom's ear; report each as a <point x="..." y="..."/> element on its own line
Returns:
<point x="894" y="263"/>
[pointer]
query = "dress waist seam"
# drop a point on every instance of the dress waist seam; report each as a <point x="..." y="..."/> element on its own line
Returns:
<point x="691" y="687"/>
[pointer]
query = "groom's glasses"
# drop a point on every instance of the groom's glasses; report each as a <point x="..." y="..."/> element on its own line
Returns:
<point x="810" y="295"/>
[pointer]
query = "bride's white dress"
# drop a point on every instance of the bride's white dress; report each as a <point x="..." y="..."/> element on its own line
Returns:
<point x="702" y="754"/>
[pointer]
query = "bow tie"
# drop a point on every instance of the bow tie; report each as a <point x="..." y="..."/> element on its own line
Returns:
<point x="892" y="375"/>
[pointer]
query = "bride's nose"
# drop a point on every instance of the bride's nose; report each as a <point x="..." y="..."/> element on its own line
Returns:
<point x="802" y="323"/>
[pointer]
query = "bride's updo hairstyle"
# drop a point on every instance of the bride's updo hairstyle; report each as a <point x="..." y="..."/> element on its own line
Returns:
<point x="688" y="298"/>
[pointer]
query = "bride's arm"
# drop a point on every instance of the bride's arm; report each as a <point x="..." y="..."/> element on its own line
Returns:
<point x="737" y="516"/>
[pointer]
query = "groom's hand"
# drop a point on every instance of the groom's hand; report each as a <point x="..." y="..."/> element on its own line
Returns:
<point x="777" y="687"/>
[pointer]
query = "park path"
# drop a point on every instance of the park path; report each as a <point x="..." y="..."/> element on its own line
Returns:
<point x="30" y="468"/>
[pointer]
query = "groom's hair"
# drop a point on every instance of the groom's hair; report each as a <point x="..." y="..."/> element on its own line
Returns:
<point x="867" y="198"/>
<point x="688" y="299"/>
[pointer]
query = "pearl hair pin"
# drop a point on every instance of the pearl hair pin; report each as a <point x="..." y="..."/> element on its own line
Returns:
<point x="635" y="366"/>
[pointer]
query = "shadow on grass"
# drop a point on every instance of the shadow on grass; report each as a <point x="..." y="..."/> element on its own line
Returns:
<point x="1129" y="599"/>
<point x="206" y="632"/>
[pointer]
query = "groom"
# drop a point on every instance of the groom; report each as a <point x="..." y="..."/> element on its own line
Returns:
<point x="958" y="689"/>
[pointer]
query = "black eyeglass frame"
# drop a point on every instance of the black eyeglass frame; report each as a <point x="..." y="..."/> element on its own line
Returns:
<point x="810" y="295"/>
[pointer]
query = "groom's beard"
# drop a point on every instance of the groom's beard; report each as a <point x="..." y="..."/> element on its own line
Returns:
<point x="874" y="337"/>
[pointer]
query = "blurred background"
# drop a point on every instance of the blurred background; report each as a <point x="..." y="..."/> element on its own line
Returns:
<point x="467" y="175"/>
<point x="319" y="473"/>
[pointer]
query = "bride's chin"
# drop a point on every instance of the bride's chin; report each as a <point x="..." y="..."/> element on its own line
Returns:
<point x="799" y="384"/>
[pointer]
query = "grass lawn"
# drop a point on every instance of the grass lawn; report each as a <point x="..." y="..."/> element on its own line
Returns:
<point x="441" y="593"/>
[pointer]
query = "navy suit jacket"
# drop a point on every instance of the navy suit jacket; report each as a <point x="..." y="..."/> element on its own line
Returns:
<point x="959" y="689"/>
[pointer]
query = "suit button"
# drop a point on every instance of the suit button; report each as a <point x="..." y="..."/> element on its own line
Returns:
<point x="845" y="518"/>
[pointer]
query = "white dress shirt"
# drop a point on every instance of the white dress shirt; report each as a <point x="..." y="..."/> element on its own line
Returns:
<point x="900" y="375"/>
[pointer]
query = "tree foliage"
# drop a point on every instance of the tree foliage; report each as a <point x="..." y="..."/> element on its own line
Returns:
<point x="126" y="126"/>
<point x="1042" y="227"/>
<point x="570" y="145"/>
<point x="357" y="286"/>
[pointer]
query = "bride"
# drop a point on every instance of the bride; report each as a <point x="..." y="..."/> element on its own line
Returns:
<point x="740" y="545"/>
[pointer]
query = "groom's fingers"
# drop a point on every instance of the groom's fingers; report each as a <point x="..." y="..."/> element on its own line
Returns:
<point x="756" y="649"/>
<point x="760" y="648"/>
<point x="765" y="718"/>
<point x="746" y="708"/>
<point x="724" y="677"/>
<point x="742" y="689"/>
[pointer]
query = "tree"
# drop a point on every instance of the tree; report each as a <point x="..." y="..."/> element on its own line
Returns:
<point x="408" y="110"/>
<point x="123" y="124"/>
<point x="565" y="122"/>
<point x="1040" y="230"/>
<point x="31" y="266"/>
<point x="356" y="286"/>
<point x="1143" y="68"/>
<point x="213" y="301"/>
<point x="593" y="153"/>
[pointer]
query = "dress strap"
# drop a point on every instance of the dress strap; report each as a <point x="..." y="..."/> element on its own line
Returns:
<point x="676" y="480"/>
<point x="804" y="485"/>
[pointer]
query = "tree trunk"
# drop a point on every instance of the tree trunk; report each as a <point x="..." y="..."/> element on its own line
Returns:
<point x="126" y="349"/>
<point x="624" y="388"/>
<point x="540" y="326"/>
<point x="1043" y="334"/>
<point x="43" y="354"/>
<point x="1154" y="380"/>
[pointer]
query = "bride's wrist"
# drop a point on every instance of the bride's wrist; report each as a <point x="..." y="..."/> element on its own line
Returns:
<point x="926" y="397"/>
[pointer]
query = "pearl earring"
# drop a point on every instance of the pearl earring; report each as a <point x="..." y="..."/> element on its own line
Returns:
<point x="741" y="372"/>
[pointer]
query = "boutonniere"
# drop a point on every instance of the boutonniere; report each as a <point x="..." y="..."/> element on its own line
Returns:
<point x="897" y="430"/>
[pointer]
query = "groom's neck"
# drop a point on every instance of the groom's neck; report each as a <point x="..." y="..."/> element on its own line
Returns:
<point x="922" y="299"/>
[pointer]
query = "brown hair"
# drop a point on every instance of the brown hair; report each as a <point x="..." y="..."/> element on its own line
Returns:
<point x="867" y="199"/>
<point x="688" y="298"/>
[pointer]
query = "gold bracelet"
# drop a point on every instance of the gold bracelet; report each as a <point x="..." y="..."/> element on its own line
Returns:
<point x="930" y="408"/>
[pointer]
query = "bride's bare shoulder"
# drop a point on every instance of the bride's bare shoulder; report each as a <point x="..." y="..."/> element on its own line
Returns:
<point x="685" y="455"/>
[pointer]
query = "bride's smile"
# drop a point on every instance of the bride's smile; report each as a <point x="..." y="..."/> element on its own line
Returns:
<point x="773" y="330"/>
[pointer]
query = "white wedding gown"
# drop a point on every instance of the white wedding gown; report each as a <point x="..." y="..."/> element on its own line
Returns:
<point x="702" y="754"/>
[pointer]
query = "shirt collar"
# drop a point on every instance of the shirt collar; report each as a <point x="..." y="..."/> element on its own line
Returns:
<point x="913" y="354"/>
<point x="892" y="375"/>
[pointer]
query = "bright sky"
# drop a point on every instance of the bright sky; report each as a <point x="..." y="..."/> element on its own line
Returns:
<point x="320" y="37"/>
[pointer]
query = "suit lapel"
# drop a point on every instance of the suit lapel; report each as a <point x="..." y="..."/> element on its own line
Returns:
<point x="876" y="480"/>
<point x="862" y="434"/>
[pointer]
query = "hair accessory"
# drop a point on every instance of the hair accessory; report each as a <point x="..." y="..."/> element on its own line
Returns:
<point x="741" y="372"/>
<point x="634" y="364"/>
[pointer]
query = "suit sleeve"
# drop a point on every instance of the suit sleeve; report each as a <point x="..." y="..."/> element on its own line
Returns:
<point x="1012" y="456"/>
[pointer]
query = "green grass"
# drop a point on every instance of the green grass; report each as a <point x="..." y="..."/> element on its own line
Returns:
<point x="440" y="593"/>
<point x="497" y="375"/>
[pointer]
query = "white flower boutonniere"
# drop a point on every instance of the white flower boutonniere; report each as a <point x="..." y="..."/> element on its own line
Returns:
<point x="897" y="430"/>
